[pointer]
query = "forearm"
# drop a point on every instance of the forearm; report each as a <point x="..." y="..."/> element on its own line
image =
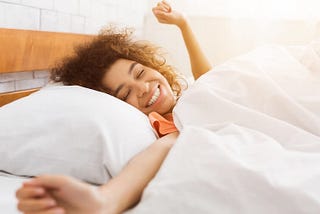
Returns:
<point x="126" y="189"/>
<point x="199" y="62"/>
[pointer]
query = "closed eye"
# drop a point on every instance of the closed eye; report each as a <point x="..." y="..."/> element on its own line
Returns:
<point x="140" y="73"/>
<point x="125" y="97"/>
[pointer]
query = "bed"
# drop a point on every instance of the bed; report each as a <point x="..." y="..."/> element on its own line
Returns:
<point x="249" y="136"/>
<point x="60" y="129"/>
<point x="27" y="50"/>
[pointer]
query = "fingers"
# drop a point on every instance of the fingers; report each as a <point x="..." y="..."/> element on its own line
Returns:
<point x="160" y="15"/>
<point x="30" y="192"/>
<point x="35" y="195"/>
<point x="35" y="205"/>
<point x="165" y="3"/>
<point x="33" y="199"/>
<point x="162" y="7"/>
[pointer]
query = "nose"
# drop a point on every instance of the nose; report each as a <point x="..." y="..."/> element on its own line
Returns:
<point x="142" y="88"/>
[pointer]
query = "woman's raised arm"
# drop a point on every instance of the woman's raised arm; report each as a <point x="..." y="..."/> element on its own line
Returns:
<point x="199" y="62"/>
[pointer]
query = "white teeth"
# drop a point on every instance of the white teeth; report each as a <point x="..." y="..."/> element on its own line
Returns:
<point x="154" y="97"/>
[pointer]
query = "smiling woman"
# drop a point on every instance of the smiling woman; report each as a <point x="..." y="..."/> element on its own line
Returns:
<point x="137" y="73"/>
<point x="115" y="64"/>
<point x="139" y="85"/>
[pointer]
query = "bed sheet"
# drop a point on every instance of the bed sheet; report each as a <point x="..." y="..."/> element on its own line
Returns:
<point x="8" y="186"/>
<point x="249" y="139"/>
<point x="230" y="169"/>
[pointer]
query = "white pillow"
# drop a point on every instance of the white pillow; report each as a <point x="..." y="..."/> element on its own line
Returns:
<point x="71" y="130"/>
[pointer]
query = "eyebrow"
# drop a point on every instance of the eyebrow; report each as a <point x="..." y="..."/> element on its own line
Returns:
<point x="129" y="72"/>
<point x="131" y="67"/>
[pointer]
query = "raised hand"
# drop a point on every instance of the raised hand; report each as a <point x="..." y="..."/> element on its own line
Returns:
<point x="198" y="61"/>
<point x="164" y="14"/>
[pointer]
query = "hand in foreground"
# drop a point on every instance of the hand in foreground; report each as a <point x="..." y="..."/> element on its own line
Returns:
<point x="60" y="194"/>
<point x="164" y="14"/>
<point x="50" y="194"/>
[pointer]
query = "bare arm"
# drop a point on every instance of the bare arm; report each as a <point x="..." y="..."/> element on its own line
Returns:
<point x="199" y="62"/>
<point x="50" y="193"/>
<point x="128" y="186"/>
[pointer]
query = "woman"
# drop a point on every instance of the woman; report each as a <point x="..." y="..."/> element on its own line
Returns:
<point x="135" y="72"/>
<point x="133" y="78"/>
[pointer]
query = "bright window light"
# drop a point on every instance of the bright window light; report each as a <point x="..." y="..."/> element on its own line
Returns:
<point x="260" y="9"/>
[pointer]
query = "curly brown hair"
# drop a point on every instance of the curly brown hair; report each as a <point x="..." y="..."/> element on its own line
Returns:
<point x="92" y="60"/>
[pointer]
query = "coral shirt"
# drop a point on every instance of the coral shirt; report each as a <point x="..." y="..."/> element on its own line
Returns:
<point x="163" y="125"/>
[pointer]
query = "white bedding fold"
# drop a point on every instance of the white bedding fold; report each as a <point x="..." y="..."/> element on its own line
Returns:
<point x="267" y="90"/>
<point x="233" y="170"/>
<point x="249" y="139"/>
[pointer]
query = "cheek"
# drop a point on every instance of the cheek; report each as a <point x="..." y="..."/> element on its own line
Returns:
<point x="164" y="81"/>
<point x="132" y="101"/>
<point x="169" y="90"/>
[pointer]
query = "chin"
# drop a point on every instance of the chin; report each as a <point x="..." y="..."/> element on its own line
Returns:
<point x="168" y="110"/>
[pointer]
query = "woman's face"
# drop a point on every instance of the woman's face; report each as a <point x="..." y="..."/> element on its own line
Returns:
<point x="140" y="86"/>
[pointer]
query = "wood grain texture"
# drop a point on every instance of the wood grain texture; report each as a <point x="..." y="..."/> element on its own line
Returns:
<point x="9" y="97"/>
<point x="27" y="50"/>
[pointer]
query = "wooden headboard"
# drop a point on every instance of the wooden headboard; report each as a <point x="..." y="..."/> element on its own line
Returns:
<point x="28" y="50"/>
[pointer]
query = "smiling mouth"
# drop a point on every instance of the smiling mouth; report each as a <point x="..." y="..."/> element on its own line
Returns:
<point x="154" y="97"/>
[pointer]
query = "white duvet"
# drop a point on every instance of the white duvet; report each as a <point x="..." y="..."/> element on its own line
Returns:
<point x="249" y="139"/>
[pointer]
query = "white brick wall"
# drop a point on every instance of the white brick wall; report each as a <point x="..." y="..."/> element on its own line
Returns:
<point x="23" y="80"/>
<point x="8" y="77"/>
<point x="41" y="74"/>
<point x="81" y="16"/>
<point x="55" y="21"/>
<point x="69" y="6"/>
<point x="78" y="24"/>
<point x="44" y="4"/>
<point x="32" y="83"/>
<point x="19" y="16"/>
<point x="7" y="86"/>
<point x="77" y="16"/>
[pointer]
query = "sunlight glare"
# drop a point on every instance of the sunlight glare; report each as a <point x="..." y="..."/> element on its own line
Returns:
<point x="257" y="9"/>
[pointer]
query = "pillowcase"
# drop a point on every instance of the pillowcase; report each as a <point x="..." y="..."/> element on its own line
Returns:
<point x="71" y="130"/>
